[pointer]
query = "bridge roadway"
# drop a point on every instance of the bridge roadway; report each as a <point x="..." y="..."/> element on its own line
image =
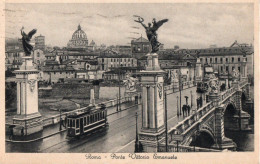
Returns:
<point x="119" y="137"/>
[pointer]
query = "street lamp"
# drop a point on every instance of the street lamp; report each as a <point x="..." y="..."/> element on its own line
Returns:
<point x="180" y="87"/>
<point x="166" y="128"/>
<point x="178" y="106"/>
<point x="119" y="88"/>
<point x="138" y="145"/>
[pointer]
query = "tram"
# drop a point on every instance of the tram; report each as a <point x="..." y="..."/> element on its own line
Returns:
<point x="86" y="120"/>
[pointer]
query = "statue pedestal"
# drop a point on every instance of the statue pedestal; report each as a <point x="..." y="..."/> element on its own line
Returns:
<point x="153" y="128"/>
<point x="27" y="120"/>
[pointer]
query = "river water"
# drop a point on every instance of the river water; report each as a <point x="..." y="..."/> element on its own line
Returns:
<point x="243" y="139"/>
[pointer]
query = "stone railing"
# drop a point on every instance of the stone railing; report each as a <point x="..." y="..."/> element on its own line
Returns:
<point x="186" y="84"/>
<point x="183" y="148"/>
<point x="227" y="93"/>
<point x="56" y="118"/>
<point x="186" y="125"/>
<point x="242" y="83"/>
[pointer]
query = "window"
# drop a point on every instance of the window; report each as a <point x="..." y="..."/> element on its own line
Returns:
<point x="77" y="123"/>
<point x="233" y="60"/>
<point x="221" y="60"/>
<point x="226" y="68"/>
<point x="226" y="60"/>
<point x="238" y="59"/>
<point x="73" y="123"/>
<point x="210" y="60"/>
<point x="221" y="68"/>
<point x="68" y="123"/>
<point x="216" y="60"/>
<point x="85" y="121"/>
<point x="206" y="60"/>
<point x="238" y="69"/>
<point x="233" y="68"/>
<point x="91" y="118"/>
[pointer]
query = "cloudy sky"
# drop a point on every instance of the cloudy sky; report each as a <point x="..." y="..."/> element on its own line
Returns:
<point x="189" y="26"/>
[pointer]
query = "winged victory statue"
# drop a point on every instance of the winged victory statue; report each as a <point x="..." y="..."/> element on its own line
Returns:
<point x="151" y="31"/>
<point x="26" y="38"/>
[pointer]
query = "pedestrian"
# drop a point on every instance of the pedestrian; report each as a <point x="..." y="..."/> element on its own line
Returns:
<point x="183" y="110"/>
<point x="188" y="108"/>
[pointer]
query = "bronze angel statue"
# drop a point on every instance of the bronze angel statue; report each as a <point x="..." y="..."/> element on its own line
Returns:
<point x="151" y="31"/>
<point x="26" y="38"/>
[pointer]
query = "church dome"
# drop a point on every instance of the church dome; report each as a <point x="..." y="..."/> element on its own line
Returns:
<point x="79" y="39"/>
<point x="79" y="34"/>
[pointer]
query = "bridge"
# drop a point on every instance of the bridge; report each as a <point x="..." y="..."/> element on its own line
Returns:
<point x="223" y="111"/>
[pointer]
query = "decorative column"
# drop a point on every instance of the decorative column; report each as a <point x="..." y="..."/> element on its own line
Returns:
<point x="153" y="128"/>
<point x="175" y="82"/>
<point x="198" y="71"/>
<point x="27" y="120"/>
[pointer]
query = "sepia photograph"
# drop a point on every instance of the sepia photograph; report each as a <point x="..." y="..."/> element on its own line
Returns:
<point x="131" y="78"/>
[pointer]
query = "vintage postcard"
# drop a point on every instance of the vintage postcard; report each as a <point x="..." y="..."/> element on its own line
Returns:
<point x="129" y="82"/>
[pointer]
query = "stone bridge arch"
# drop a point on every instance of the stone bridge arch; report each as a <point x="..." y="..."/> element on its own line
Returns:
<point x="205" y="138"/>
<point x="230" y="115"/>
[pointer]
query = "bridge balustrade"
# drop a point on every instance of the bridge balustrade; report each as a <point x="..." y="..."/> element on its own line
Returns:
<point x="190" y="121"/>
<point x="188" y="125"/>
<point x="183" y="148"/>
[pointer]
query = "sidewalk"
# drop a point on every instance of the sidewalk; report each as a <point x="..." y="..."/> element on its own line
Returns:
<point x="46" y="132"/>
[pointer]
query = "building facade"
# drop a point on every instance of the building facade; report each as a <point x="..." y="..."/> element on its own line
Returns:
<point x="140" y="47"/>
<point x="39" y="57"/>
<point x="107" y="62"/>
<point x="40" y="42"/>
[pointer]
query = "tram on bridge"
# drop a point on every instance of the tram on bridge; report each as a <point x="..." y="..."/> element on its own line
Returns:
<point x="86" y="120"/>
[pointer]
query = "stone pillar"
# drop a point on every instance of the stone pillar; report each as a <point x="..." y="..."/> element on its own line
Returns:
<point x="242" y="116"/>
<point x="153" y="128"/>
<point x="27" y="120"/>
<point x="221" y="142"/>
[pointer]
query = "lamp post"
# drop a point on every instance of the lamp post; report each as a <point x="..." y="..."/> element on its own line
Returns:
<point x="136" y="138"/>
<point x="191" y="96"/>
<point x="60" y="121"/>
<point x="119" y="101"/>
<point x="166" y="126"/>
<point x="178" y="106"/>
<point x="180" y="88"/>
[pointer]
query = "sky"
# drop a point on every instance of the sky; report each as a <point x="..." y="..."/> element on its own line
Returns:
<point x="190" y="25"/>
